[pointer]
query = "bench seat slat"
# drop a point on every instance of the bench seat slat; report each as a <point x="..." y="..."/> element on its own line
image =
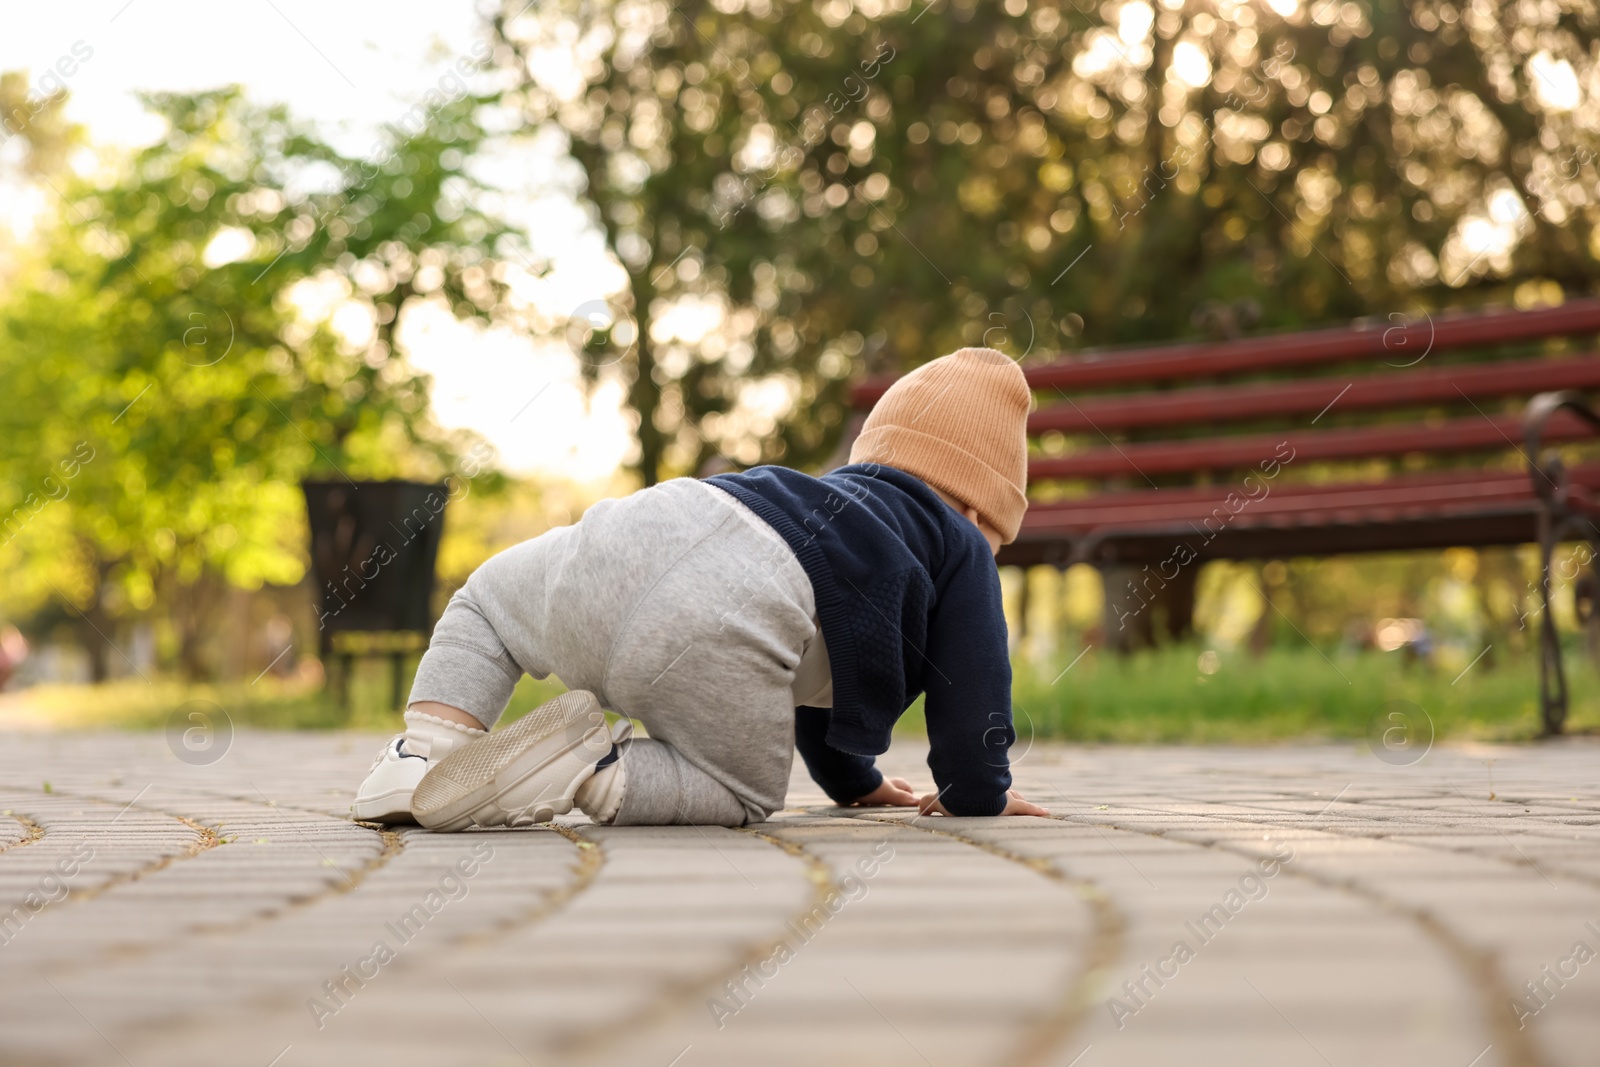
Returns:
<point x="1328" y="534"/>
<point x="1416" y="511"/>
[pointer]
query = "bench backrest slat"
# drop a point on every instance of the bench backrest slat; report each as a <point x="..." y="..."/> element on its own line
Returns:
<point x="1152" y="458"/>
<point x="1424" y="482"/>
<point x="1395" y="389"/>
<point x="1393" y="341"/>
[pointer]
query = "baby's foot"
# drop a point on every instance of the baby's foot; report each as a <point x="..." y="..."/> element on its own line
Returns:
<point x="527" y="773"/>
<point x="385" y="796"/>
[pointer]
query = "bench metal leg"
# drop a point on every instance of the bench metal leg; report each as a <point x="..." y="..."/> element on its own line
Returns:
<point x="1552" y="679"/>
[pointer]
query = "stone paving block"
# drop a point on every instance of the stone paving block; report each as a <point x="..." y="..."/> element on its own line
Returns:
<point x="222" y="901"/>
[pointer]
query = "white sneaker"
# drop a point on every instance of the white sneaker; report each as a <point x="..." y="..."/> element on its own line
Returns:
<point x="600" y="796"/>
<point x="527" y="773"/>
<point x="385" y="796"/>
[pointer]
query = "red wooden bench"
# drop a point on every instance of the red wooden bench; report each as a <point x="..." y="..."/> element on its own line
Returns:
<point x="1159" y="458"/>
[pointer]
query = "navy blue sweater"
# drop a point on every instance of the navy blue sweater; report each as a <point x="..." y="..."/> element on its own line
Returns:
<point x="909" y="601"/>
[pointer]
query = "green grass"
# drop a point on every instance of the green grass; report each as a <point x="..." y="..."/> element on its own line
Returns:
<point x="1153" y="697"/>
<point x="1287" y="694"/>
<point x="133" y="704"/>
<point x="138" y="705"/>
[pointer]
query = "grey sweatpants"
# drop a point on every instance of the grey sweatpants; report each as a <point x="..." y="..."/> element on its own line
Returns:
<point x="676" y="606"/>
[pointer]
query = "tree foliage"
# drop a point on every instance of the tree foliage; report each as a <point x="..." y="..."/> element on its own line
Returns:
<point x="32" y="120"/>
<point x="881" y="181"/>
<point x="160" y="342"/>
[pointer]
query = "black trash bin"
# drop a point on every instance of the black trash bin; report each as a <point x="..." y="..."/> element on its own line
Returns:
<point x="373" y="550"/>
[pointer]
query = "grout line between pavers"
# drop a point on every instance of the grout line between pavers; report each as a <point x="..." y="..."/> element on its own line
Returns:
<point x="680" y="994"/>
<point x="1476" y="964"/>
<point x="589" y="861"/>
<point x="1580" y="877"/>
<point x="34" y="831"/>
<point x="208" y="839"/>
<point x="1108" y="927"/>
<point x="205" y="839"/>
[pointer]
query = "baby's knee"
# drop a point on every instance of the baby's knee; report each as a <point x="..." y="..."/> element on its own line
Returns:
<point x="760" y="812"/>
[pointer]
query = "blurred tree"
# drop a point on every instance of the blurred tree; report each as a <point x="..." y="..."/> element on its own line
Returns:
<point x="893" y="177"/>
<point x="654" y="116"/>
<point x="34" y="122"/>
<point x="171" y="380"/>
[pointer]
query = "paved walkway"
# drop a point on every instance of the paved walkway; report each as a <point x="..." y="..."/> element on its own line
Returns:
<point x="1282" y="906"/>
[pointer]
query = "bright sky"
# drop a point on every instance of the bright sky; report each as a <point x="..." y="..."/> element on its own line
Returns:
<point x="351" y="66"/>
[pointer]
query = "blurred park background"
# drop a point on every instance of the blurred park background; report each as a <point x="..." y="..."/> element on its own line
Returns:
<point x="552" y="252"/>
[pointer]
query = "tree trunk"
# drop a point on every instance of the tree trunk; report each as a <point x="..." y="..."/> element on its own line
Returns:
<point x="1176" y="604"/>
<point x="235" y="658"/>
<point x="1261" y="633"/>
<point x="91" y="635"/>
<point x="194" y="626"/>
<point x="1023" y="604"/>
<point x="94" y="626"/>
<point x="1141" y="606"/>
<point x="1128" y="609"/>
<point x="644" y="395"/>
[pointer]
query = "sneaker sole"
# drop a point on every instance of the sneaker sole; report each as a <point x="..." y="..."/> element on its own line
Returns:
<point x="464" y="788"/>
<point x="391" y="807"/>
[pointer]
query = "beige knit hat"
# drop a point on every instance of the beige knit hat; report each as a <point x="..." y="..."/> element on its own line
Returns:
<point x="960" y="423"/>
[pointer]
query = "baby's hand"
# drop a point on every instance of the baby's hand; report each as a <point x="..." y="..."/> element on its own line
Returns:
<point x="891" y="791"/>
<point x="1015" y="805"/>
